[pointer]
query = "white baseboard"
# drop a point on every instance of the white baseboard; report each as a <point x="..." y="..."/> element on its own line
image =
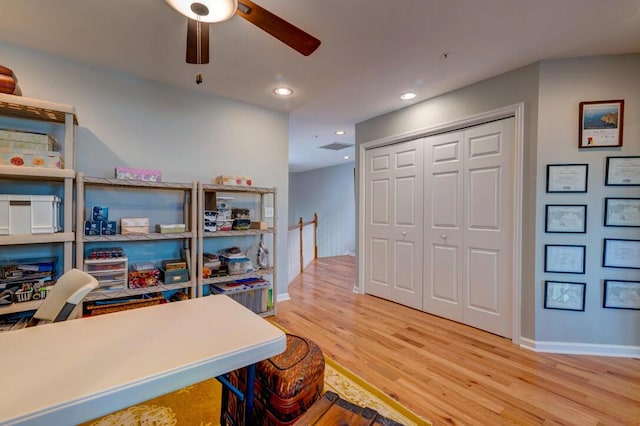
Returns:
<point x="581" y="348"/>
<point x="283" y="297"/>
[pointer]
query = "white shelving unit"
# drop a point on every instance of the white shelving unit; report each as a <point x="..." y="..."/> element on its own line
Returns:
<point x="189" y="214"/>
<point x="258" y="194"/>
<point x="56" y="115"/>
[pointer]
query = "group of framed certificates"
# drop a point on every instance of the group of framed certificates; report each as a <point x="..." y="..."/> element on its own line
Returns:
<point x="620" y="171"/>
<point x="572" y="218"/>
<point x="570" y="296"/>
<point x="570" y="259"/>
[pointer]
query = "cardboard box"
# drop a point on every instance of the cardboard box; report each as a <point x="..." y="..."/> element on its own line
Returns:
<point x="233" y="180"/>
<point x="139" y="279"/>
<point x="27" y="140"/>
<point x="259" y="225"/>
<point x="99" y="213"/>
<point x="92" y="227"/>
<point x="171" y="228"/>
<point x="174" y="276"/>
<point x="171" y="264"/>
<point x="134" y="225"/>
<point x="31" y="158"/>
<point x="147" y="175"/>
<point x="108" y="228"/>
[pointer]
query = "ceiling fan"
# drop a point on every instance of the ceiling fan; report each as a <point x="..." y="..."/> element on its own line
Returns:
<point x="203" y="12"/>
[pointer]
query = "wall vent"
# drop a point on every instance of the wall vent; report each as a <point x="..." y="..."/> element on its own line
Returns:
<point x="336" y="146"/>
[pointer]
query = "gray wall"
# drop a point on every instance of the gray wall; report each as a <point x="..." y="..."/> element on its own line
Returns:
<point x="188" y="135"/>
<point x="330" y="193"/>
<point x="563" y="85"/>
<point x="551" y="91"/>
<point x="507" y="89"/>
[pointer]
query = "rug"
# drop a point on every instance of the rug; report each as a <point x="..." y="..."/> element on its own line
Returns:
<point x="199" y="404"/>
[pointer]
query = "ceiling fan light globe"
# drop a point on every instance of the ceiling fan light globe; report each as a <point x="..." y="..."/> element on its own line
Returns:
<point x="219" y="10"/>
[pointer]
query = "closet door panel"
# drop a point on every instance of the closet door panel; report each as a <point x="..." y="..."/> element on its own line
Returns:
<point x="443" y="218"/>
<point x="468" y="226"/>
<point x="393" y="229"/>
<point x="488" y="233"/>
<point x="445" y="276"/>
<point x="482" y="280"/>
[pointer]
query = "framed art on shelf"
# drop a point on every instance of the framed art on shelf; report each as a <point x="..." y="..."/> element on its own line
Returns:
<point x="621" y="294"/>
<point x="566" y="259"/>
<point x="571" y="219"/>
<point x="567" y="177"/>
<point x="601" y="124"/>
<point x="622" y="171"/>
<point x="621" y="253"/>
<point x="567" y="296"/>
<point x="622" y="212"/>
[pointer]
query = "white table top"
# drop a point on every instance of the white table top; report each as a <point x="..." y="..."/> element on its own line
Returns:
<point x="73" y="371"/>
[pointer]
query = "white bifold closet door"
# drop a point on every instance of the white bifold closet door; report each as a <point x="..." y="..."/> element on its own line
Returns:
<point x="468" y="217"/>
<point x="393" y="215"/>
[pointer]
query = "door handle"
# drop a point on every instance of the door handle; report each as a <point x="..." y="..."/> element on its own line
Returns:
<point x="443" y="236"/>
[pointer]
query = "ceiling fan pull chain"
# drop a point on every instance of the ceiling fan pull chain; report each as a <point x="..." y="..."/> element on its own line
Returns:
<point x="199" y="41"/>
<point x="199" y="49"/>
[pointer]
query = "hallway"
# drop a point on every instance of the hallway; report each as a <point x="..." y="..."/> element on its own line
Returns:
<point x="450" y="373"/>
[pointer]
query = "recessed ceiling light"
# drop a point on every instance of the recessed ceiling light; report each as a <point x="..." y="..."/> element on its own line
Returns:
<point x="282" y="91"/>
<point x="408" y="96"/>
<point x="346" y="157"/>
<point x="340" y="132"/>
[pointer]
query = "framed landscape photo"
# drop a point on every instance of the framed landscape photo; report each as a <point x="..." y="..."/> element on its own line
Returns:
<point x="622" y="171"/>
<point x="567" y="177"/>
<point x="621" y="253"/>
<point x="621" y="294"/>
<point x="622" y="212"/>
<point x="571" y="219"/>
<point x="565" y="259"/>
<point x="564" y="295"/>
<point x="601" y="124"/>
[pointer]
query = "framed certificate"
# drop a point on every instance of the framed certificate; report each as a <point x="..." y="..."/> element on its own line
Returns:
<point x="620" y="253"/>
<point x="601" y="124"/>
<point x="564" y="295"/>
<point x="622" y="212"/>
<point x="566" y="259"/>
<point x="623" y="171"/>
<point x="567" y="177"/>
<point x="566" y="218"/>
<point x="621" y="294"/>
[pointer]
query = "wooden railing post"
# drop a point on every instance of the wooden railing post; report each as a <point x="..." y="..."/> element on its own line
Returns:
<point x="315" y="235"/>
<point x="301" y="225"/>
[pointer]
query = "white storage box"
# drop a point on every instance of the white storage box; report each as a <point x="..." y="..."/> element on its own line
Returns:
<point x="29" y="214"/>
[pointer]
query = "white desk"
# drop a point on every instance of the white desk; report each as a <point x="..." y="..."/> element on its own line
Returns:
<point x="70" y="372"/>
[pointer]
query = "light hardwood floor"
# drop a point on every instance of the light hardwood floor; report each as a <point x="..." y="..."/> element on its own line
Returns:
<point x="449" y="373"/>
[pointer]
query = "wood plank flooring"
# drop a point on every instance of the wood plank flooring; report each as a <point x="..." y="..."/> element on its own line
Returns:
<point x="449" y="373"/>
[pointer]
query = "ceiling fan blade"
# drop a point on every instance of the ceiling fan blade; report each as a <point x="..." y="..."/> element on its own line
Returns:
<point x="287" y="33"/>
<point x="197" y="42"/>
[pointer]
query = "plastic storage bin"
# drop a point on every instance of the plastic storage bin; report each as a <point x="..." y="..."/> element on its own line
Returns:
<point x="29" y="214"/>
<point x="237" y="266"/>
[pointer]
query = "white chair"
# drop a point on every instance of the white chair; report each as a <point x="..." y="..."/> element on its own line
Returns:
<point x="64" y="296"/>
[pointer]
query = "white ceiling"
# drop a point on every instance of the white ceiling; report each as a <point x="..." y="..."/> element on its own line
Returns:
<point x="371" y="51"/>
